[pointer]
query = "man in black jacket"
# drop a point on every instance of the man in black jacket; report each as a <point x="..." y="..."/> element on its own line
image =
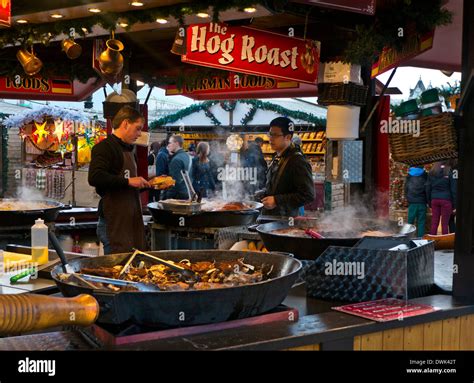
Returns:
<point x="179" y="162"/>
<point x="289" y="178"/>
<point x="113" y="172"/>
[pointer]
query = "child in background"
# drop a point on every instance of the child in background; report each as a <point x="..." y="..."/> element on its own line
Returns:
<point x="417" y="198"/>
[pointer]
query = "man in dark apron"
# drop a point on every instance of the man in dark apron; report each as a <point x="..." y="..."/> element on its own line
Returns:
<point x="289" y="178"/>
<point x="113" y="172"/>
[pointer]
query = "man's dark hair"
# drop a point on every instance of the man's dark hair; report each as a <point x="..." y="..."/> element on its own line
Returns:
<point x="285" y="124"/>
<point x="177" y="138"/>
<point x="259" y="140"/>
<point x="126" y="113"/>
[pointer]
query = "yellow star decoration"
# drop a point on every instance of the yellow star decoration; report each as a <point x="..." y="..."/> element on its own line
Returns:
<point x="40" y="131"/>
<point x="59" y="129"/>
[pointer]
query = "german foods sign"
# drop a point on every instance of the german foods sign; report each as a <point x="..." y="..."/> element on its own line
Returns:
<point x="252" y="51"/>
<point x="391" y="57"/>
<point x="233" y="83"/>
<point x="5" y="13"/>
<point x="36" y="85"/>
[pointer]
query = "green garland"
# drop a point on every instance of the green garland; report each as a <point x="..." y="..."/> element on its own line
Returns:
<point x="263" y="105"/>
<point x="249" y="116"/>
<point x="28" y="34"/>
<point x="4" y="139"/>
<point x="413" y="16"/>
<point x="256" y="105"/>
<point x="169" y="119"/>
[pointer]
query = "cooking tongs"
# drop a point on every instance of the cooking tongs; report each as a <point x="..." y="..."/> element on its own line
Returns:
<point x="193" y="196"/>
<point x="186" y="273"/>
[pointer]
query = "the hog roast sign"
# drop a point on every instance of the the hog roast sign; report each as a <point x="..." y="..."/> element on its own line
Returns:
<point x="253" y="51"/>
<point x="5" y="13"/>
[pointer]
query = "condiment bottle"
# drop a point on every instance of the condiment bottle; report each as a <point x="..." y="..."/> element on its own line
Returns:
<point x="39" y="242"/>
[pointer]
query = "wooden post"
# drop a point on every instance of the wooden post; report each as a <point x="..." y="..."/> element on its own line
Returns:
<point x="463" y="286"/>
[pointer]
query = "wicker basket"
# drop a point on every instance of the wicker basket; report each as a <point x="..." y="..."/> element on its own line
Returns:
<point x="437" y="141"/>
<point x="342" y="94"/>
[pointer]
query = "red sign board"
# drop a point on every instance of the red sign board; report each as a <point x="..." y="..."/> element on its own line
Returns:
<point x="366" y="7"/>
<point x="5" y="13"/>
<point x="252" y="51"/>
<point x="234" y="83"/>
<point x="391" y="57"/>
<point x="25" y="86"/>
<point x="384" y="310"/>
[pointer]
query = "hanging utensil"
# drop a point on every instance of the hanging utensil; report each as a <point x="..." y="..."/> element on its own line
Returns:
<point x="144" y="287"/>
<point x="188" y="274"/>
<point x="127" y="265"/>
<point x="54" y="241"/>
<point x="189" y="186"/>
<point x="313" y="234"/>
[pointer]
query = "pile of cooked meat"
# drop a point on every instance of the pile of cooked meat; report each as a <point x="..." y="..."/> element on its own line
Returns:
<point x="210" y="275"/>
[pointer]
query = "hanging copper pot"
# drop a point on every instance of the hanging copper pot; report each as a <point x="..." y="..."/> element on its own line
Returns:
<point x="30" y="63"/>
<point x="72" y="49"/>
<point x="111" y="60"/>
<point x="179" y="43"/>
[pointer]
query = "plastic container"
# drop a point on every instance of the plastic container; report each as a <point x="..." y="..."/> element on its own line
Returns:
<point x="431" y="109"/>
<point x="342" y="122"/>
<point x="430" y="96"/>
<point x="39" y="242"/>
<point x="90" y="248"/>
<point x="408" y="110"/>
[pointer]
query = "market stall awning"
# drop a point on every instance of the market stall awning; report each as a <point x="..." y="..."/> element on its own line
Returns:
<point x="66" y="90"/>
<point x="446" y="51"/>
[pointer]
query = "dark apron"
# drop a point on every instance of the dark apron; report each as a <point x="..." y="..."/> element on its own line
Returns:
<point x="122" y="211"/>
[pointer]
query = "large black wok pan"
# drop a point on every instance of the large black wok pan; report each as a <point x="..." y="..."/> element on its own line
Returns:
<point x="310" y="248"/>
<point x="184" y="308"/>
<point x="206" y="218"/>
<point x="27" y="217"/>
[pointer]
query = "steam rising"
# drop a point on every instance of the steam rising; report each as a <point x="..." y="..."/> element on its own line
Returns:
<point x="29" y="194"/>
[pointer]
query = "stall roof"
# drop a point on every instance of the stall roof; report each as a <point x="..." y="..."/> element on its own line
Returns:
<point x="300" y="111"/>
<point x="447" y="45"/>
<point x="7" y="108"/>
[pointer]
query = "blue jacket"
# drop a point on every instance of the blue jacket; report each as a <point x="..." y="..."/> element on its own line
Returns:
<point x="162" y="162"/>
<point x="180" y="161"/>
<point x="415" y="190"/>
<point x="441" y="186"/>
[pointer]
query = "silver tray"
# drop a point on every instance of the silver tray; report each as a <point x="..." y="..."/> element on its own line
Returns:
<point x="181" y="206"/>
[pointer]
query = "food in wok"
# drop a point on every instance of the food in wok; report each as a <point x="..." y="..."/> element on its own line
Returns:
<point x="208" y="275"/>
<point x="23" y="205"/>
<point x="303" y="233"/>
<point x="162" y="182"/>
<point x="218" y="205"/>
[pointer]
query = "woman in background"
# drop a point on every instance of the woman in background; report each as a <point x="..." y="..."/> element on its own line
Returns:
<point x="441" y="193"/>
<point x="203" y="181"/>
